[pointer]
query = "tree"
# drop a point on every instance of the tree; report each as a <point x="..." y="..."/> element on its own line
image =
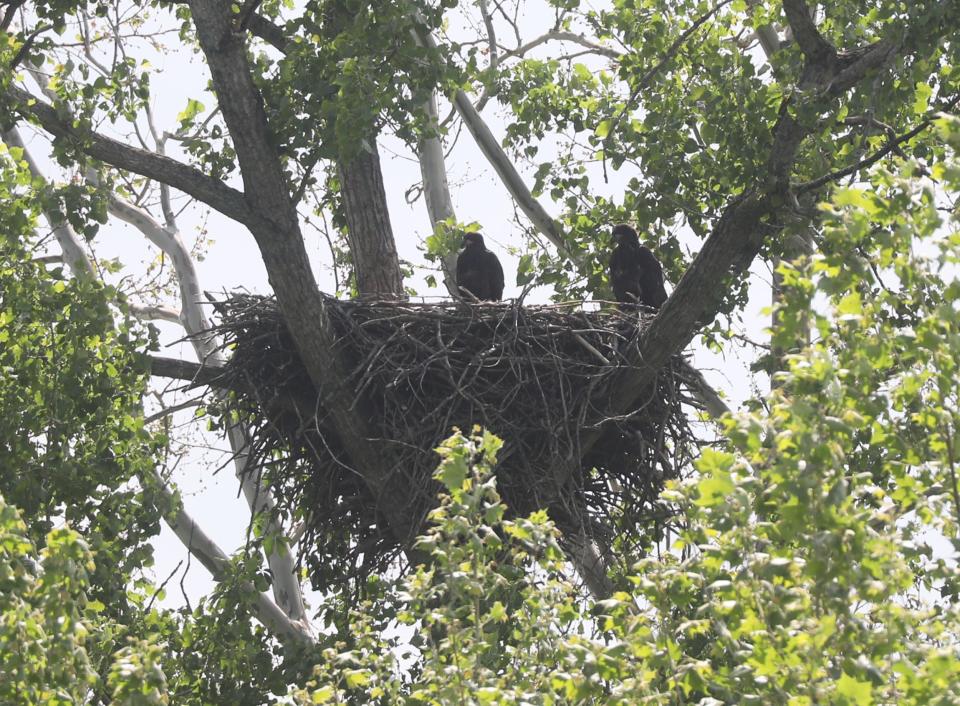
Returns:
<point x="723" y="125"/>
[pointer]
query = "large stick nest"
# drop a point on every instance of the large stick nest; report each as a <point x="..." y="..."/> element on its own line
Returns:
<point x="537" y="376"/>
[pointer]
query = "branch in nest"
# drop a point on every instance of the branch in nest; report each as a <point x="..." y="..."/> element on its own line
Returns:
<point x="531" y="375"/>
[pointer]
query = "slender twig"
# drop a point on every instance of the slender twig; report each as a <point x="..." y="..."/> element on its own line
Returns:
<point x="875" y="157"/>
<point x="25" y="47"/>
<point x="167" y="411"/>
<point x="556" y="35"/>
<point x="163" y="585"/>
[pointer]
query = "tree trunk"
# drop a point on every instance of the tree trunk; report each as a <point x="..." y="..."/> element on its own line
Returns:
<point x="369" y="234"/>
<point x="436" y="191"/>
<point x="274" y="224"/>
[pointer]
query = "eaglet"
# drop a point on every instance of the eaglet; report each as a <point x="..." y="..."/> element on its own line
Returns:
<point x="479" y="271"/>
<point x="635" y="273"/>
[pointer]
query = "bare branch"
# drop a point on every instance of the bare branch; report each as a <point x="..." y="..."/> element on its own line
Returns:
<point x="260" y="500"/>
<point x="160" y="144"/>
<point x="703" y="392"/>
<point x="556" y="35"/>
<point x="172" y="409"/>
<point x="195" y="373"/>
<point x="491" y="34"/>
<point x="436" y="191"/>
<point x="155" y="312"/>
<point x="48" y="260"/>
<point x="11" y="12"/>
<point x="217" y="562"/>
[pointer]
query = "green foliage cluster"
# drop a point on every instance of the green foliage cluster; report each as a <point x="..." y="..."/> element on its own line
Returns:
<point x="71" y="421"/>
<point x="817" y="558"/>
<point x="695" y="120"/>
<point x="80" y="511"/>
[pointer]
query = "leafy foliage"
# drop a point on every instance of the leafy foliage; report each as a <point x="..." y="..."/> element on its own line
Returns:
<point x="817" y="562"/>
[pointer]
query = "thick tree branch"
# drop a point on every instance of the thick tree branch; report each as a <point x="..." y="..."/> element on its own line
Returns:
<point x="767" y="35"/>
<point x="703" y="392"/>
<point x="729" y="250"/>
<point x="814" y="47"/>
<point x="856" y="65"/>
<point x="436" y="190"/>
<point x="278" y="236"/>
<point x="210" y="191"/>
<point x="369" y="233"/>
<point x="194" y="373"/>
<point x="25" y="47"/>
<point x="155" y="312"/>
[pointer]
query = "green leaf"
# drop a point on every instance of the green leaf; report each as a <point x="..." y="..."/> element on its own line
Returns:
<point x="356" y="678"/>
<point x="453" y="472"/>
<point x="193" y="109"/>
<point x="858" y="693"/>
<point x="851" y="305"/>
<point x="718" y="484"/>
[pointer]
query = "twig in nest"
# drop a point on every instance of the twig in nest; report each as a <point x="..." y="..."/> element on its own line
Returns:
<point x="532" y="375"/>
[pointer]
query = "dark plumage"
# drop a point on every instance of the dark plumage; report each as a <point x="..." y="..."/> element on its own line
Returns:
<point x="478" y="270"/>
<point x="635" y="273"/>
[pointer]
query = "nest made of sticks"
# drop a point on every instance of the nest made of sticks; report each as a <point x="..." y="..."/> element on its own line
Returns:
<point x="534" y="375"/>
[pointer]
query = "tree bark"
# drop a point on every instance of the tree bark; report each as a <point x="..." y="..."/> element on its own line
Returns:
<point x="277" y="232"/>
<point x="436" y="190"/>
<point x="369" y="234"/>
